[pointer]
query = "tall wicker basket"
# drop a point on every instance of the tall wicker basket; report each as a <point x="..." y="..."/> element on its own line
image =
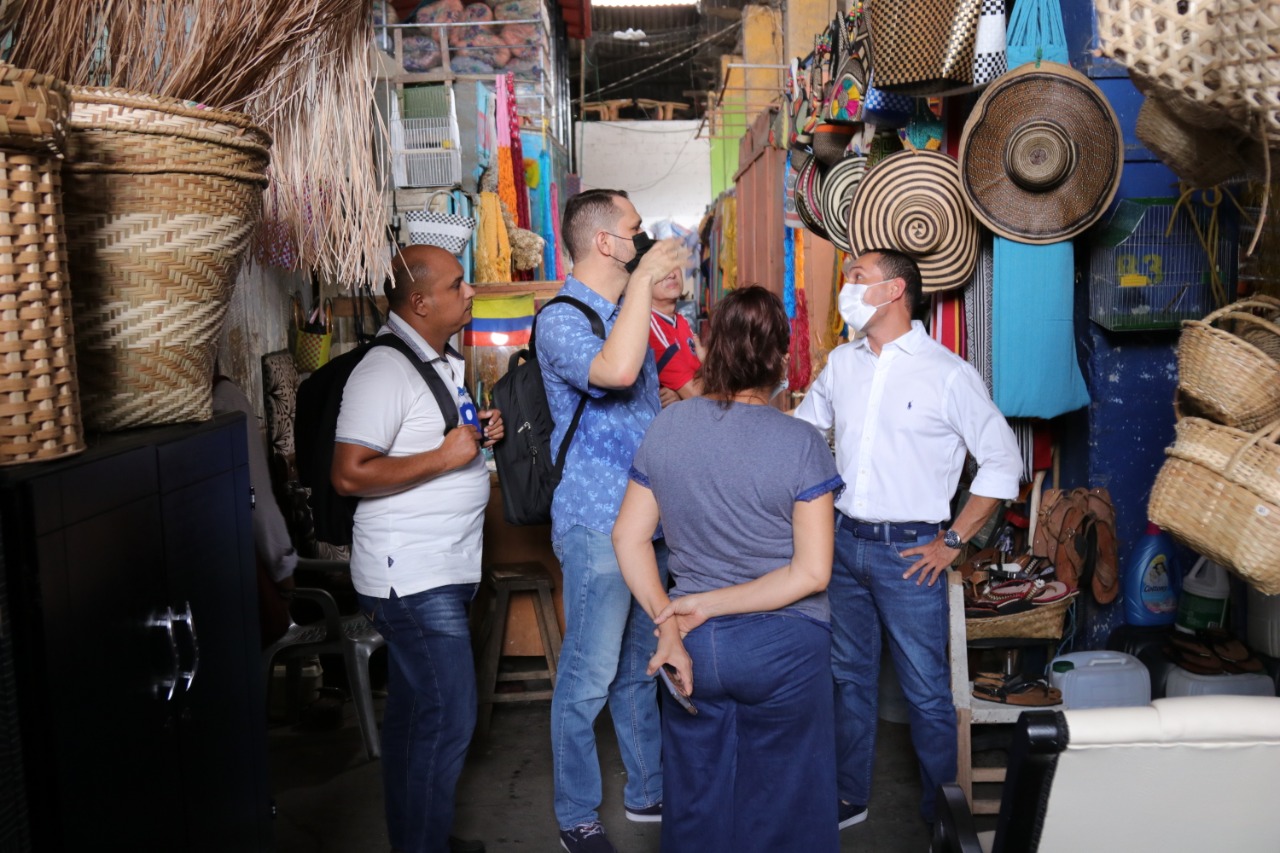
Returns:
<point x="39" y="401"/>
<point x="162" y="198"/>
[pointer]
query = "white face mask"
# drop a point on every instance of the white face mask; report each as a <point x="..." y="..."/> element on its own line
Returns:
<point x="853" y="304"/>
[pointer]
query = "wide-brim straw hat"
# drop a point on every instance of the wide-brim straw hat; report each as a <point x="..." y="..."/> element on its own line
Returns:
<point x="1041" y="154"/>
<point x="911" y="202"/>
<point x="1200" y="156"/>
<point x="808" y="191"/>
<point x="838" y="186"/>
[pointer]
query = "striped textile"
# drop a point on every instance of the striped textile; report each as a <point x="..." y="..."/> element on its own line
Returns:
<point x="500" y="321"/>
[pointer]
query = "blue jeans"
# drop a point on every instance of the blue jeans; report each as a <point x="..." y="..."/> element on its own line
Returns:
<point x="867" y="593"/>
<point x="753" y="770"/>
<point x="430" y="712"/>
<point x="608" y="641"/>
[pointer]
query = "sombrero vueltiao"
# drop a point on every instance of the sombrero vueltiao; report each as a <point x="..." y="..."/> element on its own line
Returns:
<point x="911" y="201"/>
<point x="838" y="186"/>
<point x="1041" y="154"/>
<point x="808" y="184"/>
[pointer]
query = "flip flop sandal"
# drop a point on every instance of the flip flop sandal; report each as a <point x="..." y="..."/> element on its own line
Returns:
<point x="1019" y="692"/>
<point x="1049" y="593"/>
<point x="1009" y="590"/>
<point x="1192" y="662"/>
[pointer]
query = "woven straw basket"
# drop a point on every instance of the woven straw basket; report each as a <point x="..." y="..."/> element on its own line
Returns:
<point x="162" y="198"/>
<point x="39" y="401"/>
<point x="1039" y="623"/>
<point x="1231" y="379"/>
<point x="1249" y="63"/>
<point x="1219" y="493"/>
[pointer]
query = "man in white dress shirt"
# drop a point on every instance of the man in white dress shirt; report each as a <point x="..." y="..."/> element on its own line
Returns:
<point x="905" y="411"/>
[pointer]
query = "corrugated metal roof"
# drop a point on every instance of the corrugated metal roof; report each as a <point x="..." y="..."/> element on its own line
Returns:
<point x="680" y="53"/>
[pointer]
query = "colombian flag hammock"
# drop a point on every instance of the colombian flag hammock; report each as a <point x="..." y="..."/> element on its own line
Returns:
<point x="499" y="321"/>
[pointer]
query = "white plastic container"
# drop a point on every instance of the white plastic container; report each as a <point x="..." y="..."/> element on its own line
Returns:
<point x="1263" y="629"/>
<point x="1203" y="600"/>
<point x="1183" y="683"/>
<point x="1100" y="679"/>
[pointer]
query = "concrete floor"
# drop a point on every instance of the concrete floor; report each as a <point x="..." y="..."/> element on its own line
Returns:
<point x="329" y="796"/>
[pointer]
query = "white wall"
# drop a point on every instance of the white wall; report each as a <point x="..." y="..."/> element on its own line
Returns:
<point x="661" y="165"/>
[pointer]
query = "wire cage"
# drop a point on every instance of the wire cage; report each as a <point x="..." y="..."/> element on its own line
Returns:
<point x="425" y="151"/>
<point x="1145" y="273"/>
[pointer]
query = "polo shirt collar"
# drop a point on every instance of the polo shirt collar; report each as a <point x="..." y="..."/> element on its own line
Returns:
<point x="575" y="288"/>
<point x="397" y="326"/>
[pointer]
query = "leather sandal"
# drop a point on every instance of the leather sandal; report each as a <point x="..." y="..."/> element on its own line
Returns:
<point x="1234" y="655"/>
<point x="1018" y="691"/>
<point x="1192" y="655"/>
<point x="1105" y="583"/>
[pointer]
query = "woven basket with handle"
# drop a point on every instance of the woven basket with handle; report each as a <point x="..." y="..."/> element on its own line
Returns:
<point x="39" y="403"/>
<point x="162" y="199"/>
<point x="1219" y="493"/>
<point x="1041" y="622"/>
<point x="1223" y="369"/>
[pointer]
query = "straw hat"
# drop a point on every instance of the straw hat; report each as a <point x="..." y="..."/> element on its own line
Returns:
<point x="838" y="186"/>
<point x="1200" y="156"/>
<point x="911" y="202"/>
<point x="1041" y="153"/>
<point x="808" y="189"/>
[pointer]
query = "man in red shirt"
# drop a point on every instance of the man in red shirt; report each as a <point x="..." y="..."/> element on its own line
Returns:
<point x="676" y="348"/>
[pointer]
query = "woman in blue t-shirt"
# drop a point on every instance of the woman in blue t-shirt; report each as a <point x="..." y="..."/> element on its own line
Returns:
<point x="745" y="495"/>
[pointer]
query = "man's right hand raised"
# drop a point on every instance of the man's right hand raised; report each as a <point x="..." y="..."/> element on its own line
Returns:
<point x="665" y="256"/>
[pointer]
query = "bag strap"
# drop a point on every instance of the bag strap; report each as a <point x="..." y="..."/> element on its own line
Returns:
<point x="439" y="390"/>
<point x="597" y="327"/>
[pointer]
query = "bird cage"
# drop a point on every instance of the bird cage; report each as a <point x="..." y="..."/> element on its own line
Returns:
<point x="425" y="149"/>
<point x="1149" y="268"/>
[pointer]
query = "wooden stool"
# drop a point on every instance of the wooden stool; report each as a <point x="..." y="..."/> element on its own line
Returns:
<point x="666" y="109"/>
<point x="505" y="579"/>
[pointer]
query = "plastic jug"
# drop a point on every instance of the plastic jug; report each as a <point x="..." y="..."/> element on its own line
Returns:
<point x="1203" y="602"/>
<point x="1151" y="580"/>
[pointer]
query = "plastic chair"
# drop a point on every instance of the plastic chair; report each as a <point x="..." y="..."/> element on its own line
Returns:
<point x="354" y="637"/>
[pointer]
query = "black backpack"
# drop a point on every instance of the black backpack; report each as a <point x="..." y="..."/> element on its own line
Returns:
<point x="315" y="425"/>
<point x="528" y="472"/>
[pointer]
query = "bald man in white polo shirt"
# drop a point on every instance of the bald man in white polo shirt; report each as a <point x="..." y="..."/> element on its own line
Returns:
<point x="415" y="553"/>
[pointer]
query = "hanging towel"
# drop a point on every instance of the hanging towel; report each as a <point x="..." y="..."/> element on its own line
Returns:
<point x="947" y="323"/>
<point x="1034" y="369"/>
<point x="977" y="315"/>
<point x="493" y="247"/>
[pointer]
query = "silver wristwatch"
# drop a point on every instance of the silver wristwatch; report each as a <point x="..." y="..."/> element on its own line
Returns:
<point x="952" y="539"/>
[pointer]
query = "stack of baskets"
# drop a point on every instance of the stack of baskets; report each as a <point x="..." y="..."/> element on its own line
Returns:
<point x="1219" y="489"/>
<point x="39" y="402"/>
<point x="162" y="197"/>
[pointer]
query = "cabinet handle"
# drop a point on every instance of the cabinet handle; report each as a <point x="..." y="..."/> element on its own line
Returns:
<point x="165" y="684"/>
<point x="189" y="620"/>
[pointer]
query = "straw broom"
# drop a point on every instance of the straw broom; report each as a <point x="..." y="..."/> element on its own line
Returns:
<point x="301" y="69"/>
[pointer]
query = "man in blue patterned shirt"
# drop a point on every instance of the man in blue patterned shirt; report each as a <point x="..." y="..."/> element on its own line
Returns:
<point x="608" y="638"/>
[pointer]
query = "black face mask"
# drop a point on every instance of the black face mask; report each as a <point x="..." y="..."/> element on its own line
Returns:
<point x="643" y="243"/>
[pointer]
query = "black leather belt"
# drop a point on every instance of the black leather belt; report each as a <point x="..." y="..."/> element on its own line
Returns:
<point x="889" y="531"/>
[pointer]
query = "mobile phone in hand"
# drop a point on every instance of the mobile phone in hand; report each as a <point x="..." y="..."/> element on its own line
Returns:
<point x="665" y="672"/>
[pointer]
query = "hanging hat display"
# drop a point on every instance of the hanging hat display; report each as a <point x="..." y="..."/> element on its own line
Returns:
<point x="1041" y="154"/>
<point x="911" y="202"/>
<point x="808" y="190"/>
<point x="838" y="187"/>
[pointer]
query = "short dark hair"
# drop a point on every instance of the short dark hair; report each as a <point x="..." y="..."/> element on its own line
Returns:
<point x="585" y="214"/>
<point x="895" y="264"/>
<point x="747" y="345"/>
<point x="412" y="269"/>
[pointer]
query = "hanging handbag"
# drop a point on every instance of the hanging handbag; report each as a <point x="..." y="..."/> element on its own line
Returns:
<point x="885" y="109"/>
<point x="923" y="47"/>
<point x="312" y="338"/>
<point x="447" y="229"/>
<point x="844" y="101"/>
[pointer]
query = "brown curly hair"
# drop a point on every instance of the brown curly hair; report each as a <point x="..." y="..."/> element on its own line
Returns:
<point x="747" y="345"/>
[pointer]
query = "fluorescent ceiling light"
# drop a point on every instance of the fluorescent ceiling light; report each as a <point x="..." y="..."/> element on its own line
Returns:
<point x="617" y="3"/>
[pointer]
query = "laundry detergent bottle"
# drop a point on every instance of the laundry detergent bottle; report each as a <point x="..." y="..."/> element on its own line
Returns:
<point x="1152" y="580"/>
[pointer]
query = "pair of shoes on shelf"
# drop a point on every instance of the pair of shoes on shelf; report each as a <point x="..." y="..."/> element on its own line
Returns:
<point x="1210" y="652"/>
<point x="1015" y="690"/>
<point x="849" y="814"/>
<point x="586" y="838"/>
